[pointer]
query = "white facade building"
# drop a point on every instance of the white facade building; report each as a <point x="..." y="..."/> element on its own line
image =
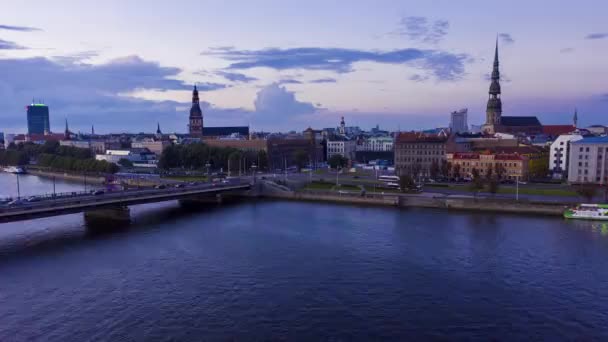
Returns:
<point x="377" y="144"/>
<point x="345" y="148"/>
<point x="588" y="161"/>
<point x="458" y="121"/>
<point x="139" y="157"/>
<point x="559" y="154"/>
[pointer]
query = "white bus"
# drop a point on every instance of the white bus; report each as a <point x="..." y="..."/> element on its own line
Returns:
<point x="388" y="179"/>
<point x="392" y="185"/>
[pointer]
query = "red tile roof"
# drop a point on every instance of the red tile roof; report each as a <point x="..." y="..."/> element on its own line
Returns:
<point x="555" y="130"/>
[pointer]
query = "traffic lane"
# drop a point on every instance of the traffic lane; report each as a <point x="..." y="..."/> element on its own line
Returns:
<point x="112" y="195"/>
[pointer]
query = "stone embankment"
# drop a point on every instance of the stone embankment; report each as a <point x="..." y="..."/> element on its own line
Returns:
<point x="437" y="201"/>
<point x="90" y="179"/>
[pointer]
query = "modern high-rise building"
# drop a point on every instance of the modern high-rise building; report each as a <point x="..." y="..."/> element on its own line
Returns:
<point x="195" y="126"/>
<point x="458" y="121"/>
<point x="38" y="119"/>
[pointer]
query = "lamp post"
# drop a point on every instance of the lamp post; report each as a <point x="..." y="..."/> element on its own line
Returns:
<point x="18" y="187"/>
<point x="337" y="176"/>
<point x="208" y="165"/>
<point x="253" y="168"/>
<point x="54" y="193"/>
<point x="517" y="188"/>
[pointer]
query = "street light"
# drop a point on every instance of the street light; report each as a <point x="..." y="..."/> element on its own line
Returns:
<point x="253" y="168"/>
<point x="18" y="187"/>
<point x="208" y="165"/>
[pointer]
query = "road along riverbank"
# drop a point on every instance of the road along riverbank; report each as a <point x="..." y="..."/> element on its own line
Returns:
<point x="425" y="200"/>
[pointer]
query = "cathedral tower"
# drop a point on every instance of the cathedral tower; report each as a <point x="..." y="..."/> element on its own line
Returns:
<point x="195" y="125"/>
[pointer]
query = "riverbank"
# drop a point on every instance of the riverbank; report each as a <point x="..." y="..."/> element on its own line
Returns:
<point x="68" y="176"/>
<point x="427" y="200"/>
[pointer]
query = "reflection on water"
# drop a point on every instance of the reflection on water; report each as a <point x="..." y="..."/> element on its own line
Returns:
<point x="303" y="271"/>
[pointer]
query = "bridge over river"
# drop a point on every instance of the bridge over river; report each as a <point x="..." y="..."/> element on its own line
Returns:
<point x="107" y="201"/>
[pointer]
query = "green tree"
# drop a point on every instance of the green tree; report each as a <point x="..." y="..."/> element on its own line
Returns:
<point x="262" y="160"/>
<point x="456" y="171"/>
<point x="434" y="169"/>
<point x="587" y="191"/>
<point x="337" y="161"/>
<point x="300" y="158"/>
<point x="477" y="182"/>
<point x="446" y="167"/>
<point x="406" y="182"/>
<point x="125" y="162"/>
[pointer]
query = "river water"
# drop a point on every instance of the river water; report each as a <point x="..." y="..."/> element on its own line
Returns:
<point x="302" y="271"/>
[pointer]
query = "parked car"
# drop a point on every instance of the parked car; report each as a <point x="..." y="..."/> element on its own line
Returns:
<point x="16" y="202"/>
<point x="98" y="192"/>
<point x="160" y="186"/>
<point x="34" y="199"/>
<point x="180" y="185"/>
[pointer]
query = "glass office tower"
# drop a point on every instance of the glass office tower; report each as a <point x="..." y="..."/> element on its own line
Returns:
<point x="38" y="119"/>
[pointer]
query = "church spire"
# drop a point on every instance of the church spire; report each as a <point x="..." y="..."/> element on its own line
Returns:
<point x="575" y="118"/>
<point x="195" y="125"/>
<point x="66" y="133"/>
<point x="195" y="95"/>
<point x="494" y="108"/>
<point x="495" y="69"/>
<point x="158" y="128"/>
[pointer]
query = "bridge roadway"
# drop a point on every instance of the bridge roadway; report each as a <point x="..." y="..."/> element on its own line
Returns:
<point x="69" y="205"/>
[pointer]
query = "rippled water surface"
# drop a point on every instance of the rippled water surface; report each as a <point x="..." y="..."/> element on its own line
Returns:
<point x="303" y="271"/>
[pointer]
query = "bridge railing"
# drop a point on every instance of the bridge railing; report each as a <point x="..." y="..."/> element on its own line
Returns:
<point x="128" y="194"/>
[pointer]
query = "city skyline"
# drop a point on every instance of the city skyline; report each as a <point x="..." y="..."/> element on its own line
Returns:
<point x="408" y="66"/>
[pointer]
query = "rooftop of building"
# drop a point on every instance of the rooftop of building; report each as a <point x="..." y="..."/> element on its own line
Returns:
<point x="519" y="121"/>
<point x="555" y="130"/>
<point x="416" y="137"/>
<point x="225" y="131"/>
<point x="592" y="140"/>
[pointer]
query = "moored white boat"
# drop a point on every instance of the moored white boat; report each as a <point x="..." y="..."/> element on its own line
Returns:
<point x="588" y="212"/>
<point x="14" y="169"/>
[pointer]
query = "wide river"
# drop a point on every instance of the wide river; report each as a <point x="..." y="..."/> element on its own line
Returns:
<point x="300" y="271"/>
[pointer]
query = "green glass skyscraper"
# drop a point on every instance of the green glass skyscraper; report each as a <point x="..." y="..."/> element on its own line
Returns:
<point x="38" y="119"/>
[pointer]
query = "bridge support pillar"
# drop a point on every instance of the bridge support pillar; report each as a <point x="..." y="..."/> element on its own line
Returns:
<point x="108" y="217"/>
<point x="202" y="200"/>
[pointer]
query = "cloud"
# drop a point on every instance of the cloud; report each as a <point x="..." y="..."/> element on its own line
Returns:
<point x="418" y="78"/>
<point x="276" y="102"/>
<point x="235" y="76"/>
<point x="6" y="45"/>
<point x="506" y="38"/>
<point x="444" y="65"/>
<point x="289" y="81"/>
<point x="566" y="50"/>
<point x="597" y="35"/>
<point x="275" y="108"/>
<point x="78" y="57"/>
<point x="19" y="28"/>
<point x="90" y="94"/>
<point x="422" y="29"/>
<point x="324" y="80"/>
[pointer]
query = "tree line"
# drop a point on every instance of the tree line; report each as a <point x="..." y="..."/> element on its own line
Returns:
<point x="52" y="155"/>
<point x="198" y="155"/>
<point x="57" y="162"/>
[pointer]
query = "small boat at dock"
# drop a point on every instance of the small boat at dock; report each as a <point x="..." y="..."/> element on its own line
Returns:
<point x="14" y="169"/>
<point x="588" y="212"/>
